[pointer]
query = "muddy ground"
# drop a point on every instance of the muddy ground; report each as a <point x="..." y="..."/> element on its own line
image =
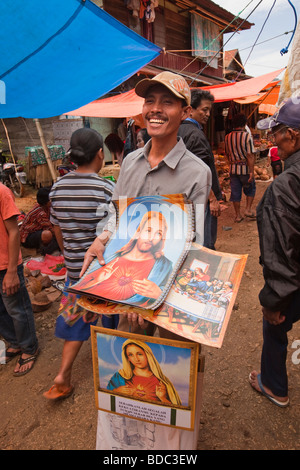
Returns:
<point x="234" y="417"/>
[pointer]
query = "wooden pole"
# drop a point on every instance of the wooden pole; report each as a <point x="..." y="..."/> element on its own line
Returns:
<point x="46" y="151"/>
<point x="9" y="143"/>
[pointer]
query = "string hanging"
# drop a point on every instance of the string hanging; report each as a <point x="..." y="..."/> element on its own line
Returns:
<point x="261" y="30"/>
<point x="285" y="49"/>
<point x="220" y="34"/>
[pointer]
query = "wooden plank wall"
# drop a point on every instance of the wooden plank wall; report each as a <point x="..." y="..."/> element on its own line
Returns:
<point x="23" y="133"/>
<point x="118" y="10"/>
<point x="178" y="31"/>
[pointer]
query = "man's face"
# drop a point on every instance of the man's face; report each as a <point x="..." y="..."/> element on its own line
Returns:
<point x="163" y="112"/>
<point x="282" y="138"/>
<point x="202" y="113"/>
<point x="150" y="235"/>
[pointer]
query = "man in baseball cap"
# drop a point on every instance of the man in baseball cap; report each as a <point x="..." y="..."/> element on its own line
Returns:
<point x="278" y="221"/>
<point x="175" y="83"/>
<point x="288" y="114"/>
<point x="163" y="166"/>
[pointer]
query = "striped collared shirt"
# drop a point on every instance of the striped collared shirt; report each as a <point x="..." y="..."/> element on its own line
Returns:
<point x="79" y="202"/>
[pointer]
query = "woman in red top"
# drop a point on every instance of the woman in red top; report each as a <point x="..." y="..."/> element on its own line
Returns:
<point x="275" y="161"/>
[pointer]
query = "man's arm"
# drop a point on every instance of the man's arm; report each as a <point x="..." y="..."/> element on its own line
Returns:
<point x="11" y="282"/>
<point x="214" y="204"/>
<point x="59" y="237"/>
<point x="96" y="250"/>
<point x="250" y="157"/>
<point x="250" y="163"/>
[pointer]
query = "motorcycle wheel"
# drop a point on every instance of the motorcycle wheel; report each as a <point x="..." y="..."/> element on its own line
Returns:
<point x="17" y="187"/>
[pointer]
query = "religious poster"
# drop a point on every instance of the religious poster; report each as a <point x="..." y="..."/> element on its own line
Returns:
<point x="146" y="378"/>
<point x="142" y="258"/>
<point x="200" y="301"/>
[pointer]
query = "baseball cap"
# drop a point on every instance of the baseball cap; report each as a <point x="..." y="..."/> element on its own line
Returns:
<point x="288" y="114"/>
<point x="175" y="83"/>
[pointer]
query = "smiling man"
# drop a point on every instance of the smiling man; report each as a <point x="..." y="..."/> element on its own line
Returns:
<point x="163" y="166"/>
<point x="278" y="220"/>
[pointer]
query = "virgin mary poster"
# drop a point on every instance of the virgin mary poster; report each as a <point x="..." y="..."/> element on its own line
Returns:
<point x="144" y="377"/>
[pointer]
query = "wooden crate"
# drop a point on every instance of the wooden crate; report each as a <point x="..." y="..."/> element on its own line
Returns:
<point x="40" y="176"/>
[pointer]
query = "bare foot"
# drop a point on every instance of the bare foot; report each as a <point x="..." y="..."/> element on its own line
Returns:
<point x="254" y="379"/>
<point x="62" y="382"/>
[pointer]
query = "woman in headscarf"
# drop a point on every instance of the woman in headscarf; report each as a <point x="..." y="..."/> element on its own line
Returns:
<point x="141" y="376"/>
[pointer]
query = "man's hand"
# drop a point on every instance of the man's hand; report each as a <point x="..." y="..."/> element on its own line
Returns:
<point x="215" y="208"/>
<point x="96" y="250"/>
<point x="274" y="318"/>
<point x="135" y="320"/>
<point x="251" y="177"/>
<point x="11" y="282"/>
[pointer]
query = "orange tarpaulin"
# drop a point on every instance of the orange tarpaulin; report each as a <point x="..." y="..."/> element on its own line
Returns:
<point x="238" y="90"/>
<point x="120" y="106"/>
<point x="129" y="104"/>
<point x="269" y="97"/>
<point x="267" y="109"/>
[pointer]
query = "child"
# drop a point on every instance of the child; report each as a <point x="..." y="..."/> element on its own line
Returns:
<point x="79" y="201"/>
<point x="36" y="230"/>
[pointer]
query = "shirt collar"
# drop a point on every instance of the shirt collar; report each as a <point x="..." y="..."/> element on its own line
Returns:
<point x="292" y="159"/>
<point x="194" y="122"/>
<point x="173" y="157"/>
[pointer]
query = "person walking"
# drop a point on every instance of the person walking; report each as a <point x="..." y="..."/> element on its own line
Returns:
<point x="79" y="201"/>
<point x="278" y="220"/>
<point x="240" y="152"/>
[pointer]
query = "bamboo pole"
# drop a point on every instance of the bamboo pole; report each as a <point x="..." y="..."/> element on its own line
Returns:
<point x="46" y="151"/>
<point x="9" y="143"/>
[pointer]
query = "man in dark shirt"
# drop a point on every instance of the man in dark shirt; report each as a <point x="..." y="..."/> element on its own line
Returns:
<point x="278" y="220"/>
<point x="220" y="125"/>
<point x="192" y="133"/>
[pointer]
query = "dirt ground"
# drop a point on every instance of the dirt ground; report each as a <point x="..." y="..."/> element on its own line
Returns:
<point x="234" y="416"/>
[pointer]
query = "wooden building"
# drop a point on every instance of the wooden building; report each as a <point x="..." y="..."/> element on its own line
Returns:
<point x="190" y="34"/>
<point x="180" y="28"/>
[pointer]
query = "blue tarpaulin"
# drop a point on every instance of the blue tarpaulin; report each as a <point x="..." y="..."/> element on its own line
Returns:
<point x="59" y="55"/>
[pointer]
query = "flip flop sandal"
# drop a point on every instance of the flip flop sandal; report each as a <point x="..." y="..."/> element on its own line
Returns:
<point x="281" y="404"/>
<point x="54" y="394"/>
<point x="60" y="285"/>
<point x="22" y="361"/>
<point x="9" y="355"/>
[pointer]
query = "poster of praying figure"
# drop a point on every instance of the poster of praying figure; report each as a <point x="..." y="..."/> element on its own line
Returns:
<point x="147" y="378"/>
